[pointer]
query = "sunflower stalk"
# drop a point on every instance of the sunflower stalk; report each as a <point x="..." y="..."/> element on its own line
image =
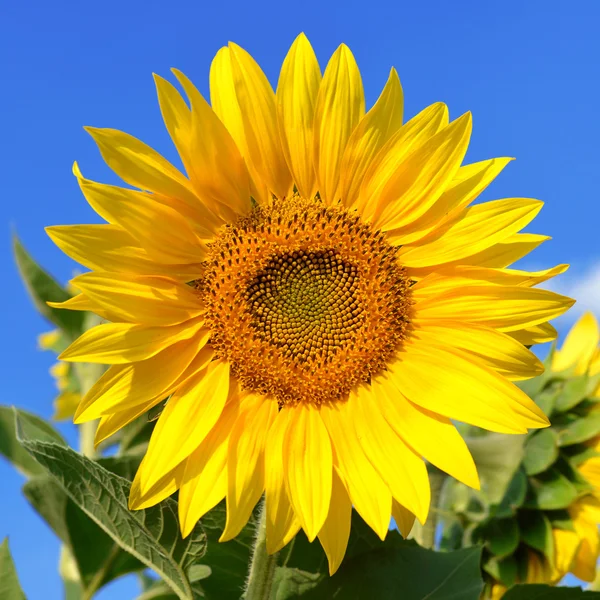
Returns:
<point x="262" y="564"/>
<point x="425" y="534"/>
<point x="88" y="374"/>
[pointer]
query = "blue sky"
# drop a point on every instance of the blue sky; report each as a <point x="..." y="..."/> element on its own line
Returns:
<point x="527" y="70"/>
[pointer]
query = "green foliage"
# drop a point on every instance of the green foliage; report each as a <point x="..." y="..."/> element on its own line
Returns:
<point x="97" y="557"/>
<point x="10" y="589"/>
<point x="152" y="535"/>
<point x="536" y="531"/>
<point x="419" y="573"/>
<point x="501" y="536"/>
<point x="546" y="592"/>
<point x="497" y="458"/>
<point x="43" y="288"/>
<point x="546" y="481"/>
<point x="541" y="451"/>
<point x="35" y="427"/>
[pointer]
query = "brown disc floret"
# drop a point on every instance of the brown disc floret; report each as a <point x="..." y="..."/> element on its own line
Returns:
<point x="304" y="301"/>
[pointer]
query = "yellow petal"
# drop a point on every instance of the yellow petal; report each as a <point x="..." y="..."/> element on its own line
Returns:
<point x="579" y="346"/>
<point x="122" y="343"/>
<point x="245" y="464"/>
<point x="176" y="115"/>
<point x="369" y="494"/>
<point x="507" y="251"/>
<point x="307" y="464"/>
<point x="507" y="308"/>
<point x="335" y="532"/>
<point x="65" y="405"/>
<point x="467" y="184"/>
<point x="457" y="387"/>
<point x="403" y="517"/>
<point x="297" y="91"/>
<point x="537" y="334"/>
<point x="46" y="341"/>
<point x="225" y="104"/>
<point x="204" y="483"/>
<point x="217" y="169"/>
<point x="114" y="421"/>
<point x="481" y="226"/>
<point x="188" y="417"/>
<point x="282" y="523"/>
<point x="388" y="160"/>
<point x="124" y="387"/>
<point x="140" y="166"/>
<point x="110" y="424"/>
<point x="448" y="277"/>
<point x="258" y="108"/>
<point x="566" y="544"/>
<point x="163" y="488"/>
<point x="369" y="136"/>
<point x="139" y="213"/>
<point x="111" y="248"/>
<point x="340" y="106"/>
<point x="399" y="466"/>
<point x="82" y="302"/>
<point x="496" y="350"/>
<point x="141" y="299"/>
<point x="432" y="436"/>
<point x="422" y="177"/>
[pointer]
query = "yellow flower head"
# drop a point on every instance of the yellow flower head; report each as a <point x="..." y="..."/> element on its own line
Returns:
<point x="318" y="298"/>
<point x="65" y="404"/>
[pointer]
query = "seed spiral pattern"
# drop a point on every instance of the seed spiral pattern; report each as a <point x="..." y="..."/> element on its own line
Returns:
<point x="304" y="301"/>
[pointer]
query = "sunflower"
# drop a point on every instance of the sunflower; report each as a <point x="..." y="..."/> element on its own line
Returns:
<point x="576" y="550"/>
<point x="65" y="404"/>
<point x="317" y="299"/>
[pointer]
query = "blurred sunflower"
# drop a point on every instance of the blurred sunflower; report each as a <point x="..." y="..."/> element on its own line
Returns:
<point x="317" y="299"/>
<point x="65" y="404"/>
<point x="575" y="545"/>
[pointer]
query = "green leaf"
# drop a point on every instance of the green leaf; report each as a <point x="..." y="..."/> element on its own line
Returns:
<point x="573" y="392"/>
<point x="541" y="450"/>
<point x="228" y="560"/>
<point x="35" y="427"/>
<point x="538" y="591"/>
<point x="536" y="532"/>
<point x="550" y="490"/>
<point x="378" y="569"/>
<point x="97" y="557"/>
<point x="579" y="453"/>
<point x="290" y="582"/>
<point x="158" y="590"/>
<point x="580" y="430"/>
<point x="502" y="569"/>
<point x="404" y="569"/>
<point x="44" y="288"/>
<point x="501" y="536"/>
<point x="102" y="495"/>
<point x="497" y="457"/>
<point x="514" y="496"/>
<point x="581" y="484"/>
<point x="560" y="519"/>
<point x="10" y="589"/>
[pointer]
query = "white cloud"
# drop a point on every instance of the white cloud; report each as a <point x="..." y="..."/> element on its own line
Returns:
<point x="582" y="285"/>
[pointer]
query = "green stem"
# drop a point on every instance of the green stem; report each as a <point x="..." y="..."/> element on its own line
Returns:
<point x="262" y="565"/>
<point x="88" y="374"/>
<point x="436" y="481"/>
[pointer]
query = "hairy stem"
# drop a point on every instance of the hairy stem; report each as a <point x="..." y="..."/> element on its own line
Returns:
<point x="88" y="374"/>
<point x="262" y="564"/>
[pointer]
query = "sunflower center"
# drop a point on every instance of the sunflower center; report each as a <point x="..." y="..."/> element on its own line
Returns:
<point x="304" y="301"/>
